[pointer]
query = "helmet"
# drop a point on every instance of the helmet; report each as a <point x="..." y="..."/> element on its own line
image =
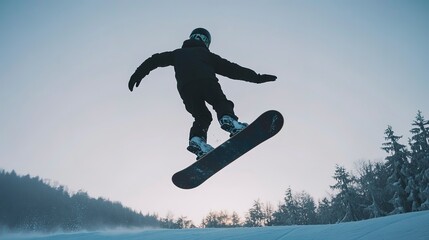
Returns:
<point x="202" y="35"/>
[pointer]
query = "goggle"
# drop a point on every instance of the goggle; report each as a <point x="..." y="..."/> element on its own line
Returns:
<point x="201" y="37"/>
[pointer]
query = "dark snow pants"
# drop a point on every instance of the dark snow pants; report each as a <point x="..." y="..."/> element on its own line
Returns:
<point x="196" y="95"/>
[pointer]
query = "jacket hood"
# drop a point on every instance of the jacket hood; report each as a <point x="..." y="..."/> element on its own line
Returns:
<point x="193" y="43"/>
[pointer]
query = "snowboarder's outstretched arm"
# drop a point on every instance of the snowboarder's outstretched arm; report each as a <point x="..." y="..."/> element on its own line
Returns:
<point x="235" y="71"/>
<point x="157" y="60"/>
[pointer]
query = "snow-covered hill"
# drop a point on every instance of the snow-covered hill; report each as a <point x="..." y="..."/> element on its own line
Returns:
<point x="413" y="226"/>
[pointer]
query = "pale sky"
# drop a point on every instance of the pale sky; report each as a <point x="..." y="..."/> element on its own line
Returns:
<point x="346" y="70"/>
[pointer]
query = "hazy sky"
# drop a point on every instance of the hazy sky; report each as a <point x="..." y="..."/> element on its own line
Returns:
<point x="346" y="70"/>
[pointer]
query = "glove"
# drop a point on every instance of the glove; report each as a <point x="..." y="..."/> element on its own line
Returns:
<point x="134" y="80"/>
<point x="265" y="78"/>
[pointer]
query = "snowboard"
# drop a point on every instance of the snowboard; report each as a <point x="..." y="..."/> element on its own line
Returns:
<point x="263" y="128"/>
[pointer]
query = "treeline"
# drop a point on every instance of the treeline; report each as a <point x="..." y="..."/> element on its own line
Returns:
<point x="400" y="184"/>
<point x="30" y="204"/>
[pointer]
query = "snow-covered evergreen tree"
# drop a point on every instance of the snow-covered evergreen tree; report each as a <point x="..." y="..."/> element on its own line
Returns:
<point x="287" y="212"/>
<point x="372" y="182"/>
<point x="326" y="213"/>
<point x="398" y="166"/>
<point x="307" y="208"/>
<point x="256" y="217"/>
<point x="418" y="185"/>
<point x="298" y="209"/>
<point x="347" y="194"/>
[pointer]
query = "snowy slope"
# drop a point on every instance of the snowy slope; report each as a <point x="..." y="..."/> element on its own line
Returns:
<point x="413" y="226"/>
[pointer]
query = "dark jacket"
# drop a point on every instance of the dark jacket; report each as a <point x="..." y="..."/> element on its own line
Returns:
<point x="194" y="63"/>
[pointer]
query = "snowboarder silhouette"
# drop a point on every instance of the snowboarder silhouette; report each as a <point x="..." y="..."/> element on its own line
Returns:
<point x="196" y="68"/>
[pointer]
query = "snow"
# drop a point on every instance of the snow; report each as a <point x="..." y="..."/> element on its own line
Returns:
<point x="404" y="226"/>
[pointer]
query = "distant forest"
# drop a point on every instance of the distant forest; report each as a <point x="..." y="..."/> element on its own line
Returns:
<point x="397" y="185"/>
<point x="30" y="204"/>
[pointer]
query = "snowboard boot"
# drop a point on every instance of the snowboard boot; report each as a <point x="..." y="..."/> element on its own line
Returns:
<point x="231" y="125"/>
<point x="199" y="147"/>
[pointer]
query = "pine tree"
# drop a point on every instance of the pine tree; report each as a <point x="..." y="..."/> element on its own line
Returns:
<point x="397" y="164"/>
<point x="347" y="194"/>
<point x="287" y="212"/>
<point x="235" y="220"/>
<point x="372" y="182"/>
<point x="307" y="208"/>
<point x="326" y="212"/>
<point x="298" y="209"/>
<point x="256" y="217"/>
<point x="418" y="187"/>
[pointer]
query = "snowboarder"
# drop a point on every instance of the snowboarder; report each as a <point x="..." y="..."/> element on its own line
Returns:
<point x="196" y="68"/>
